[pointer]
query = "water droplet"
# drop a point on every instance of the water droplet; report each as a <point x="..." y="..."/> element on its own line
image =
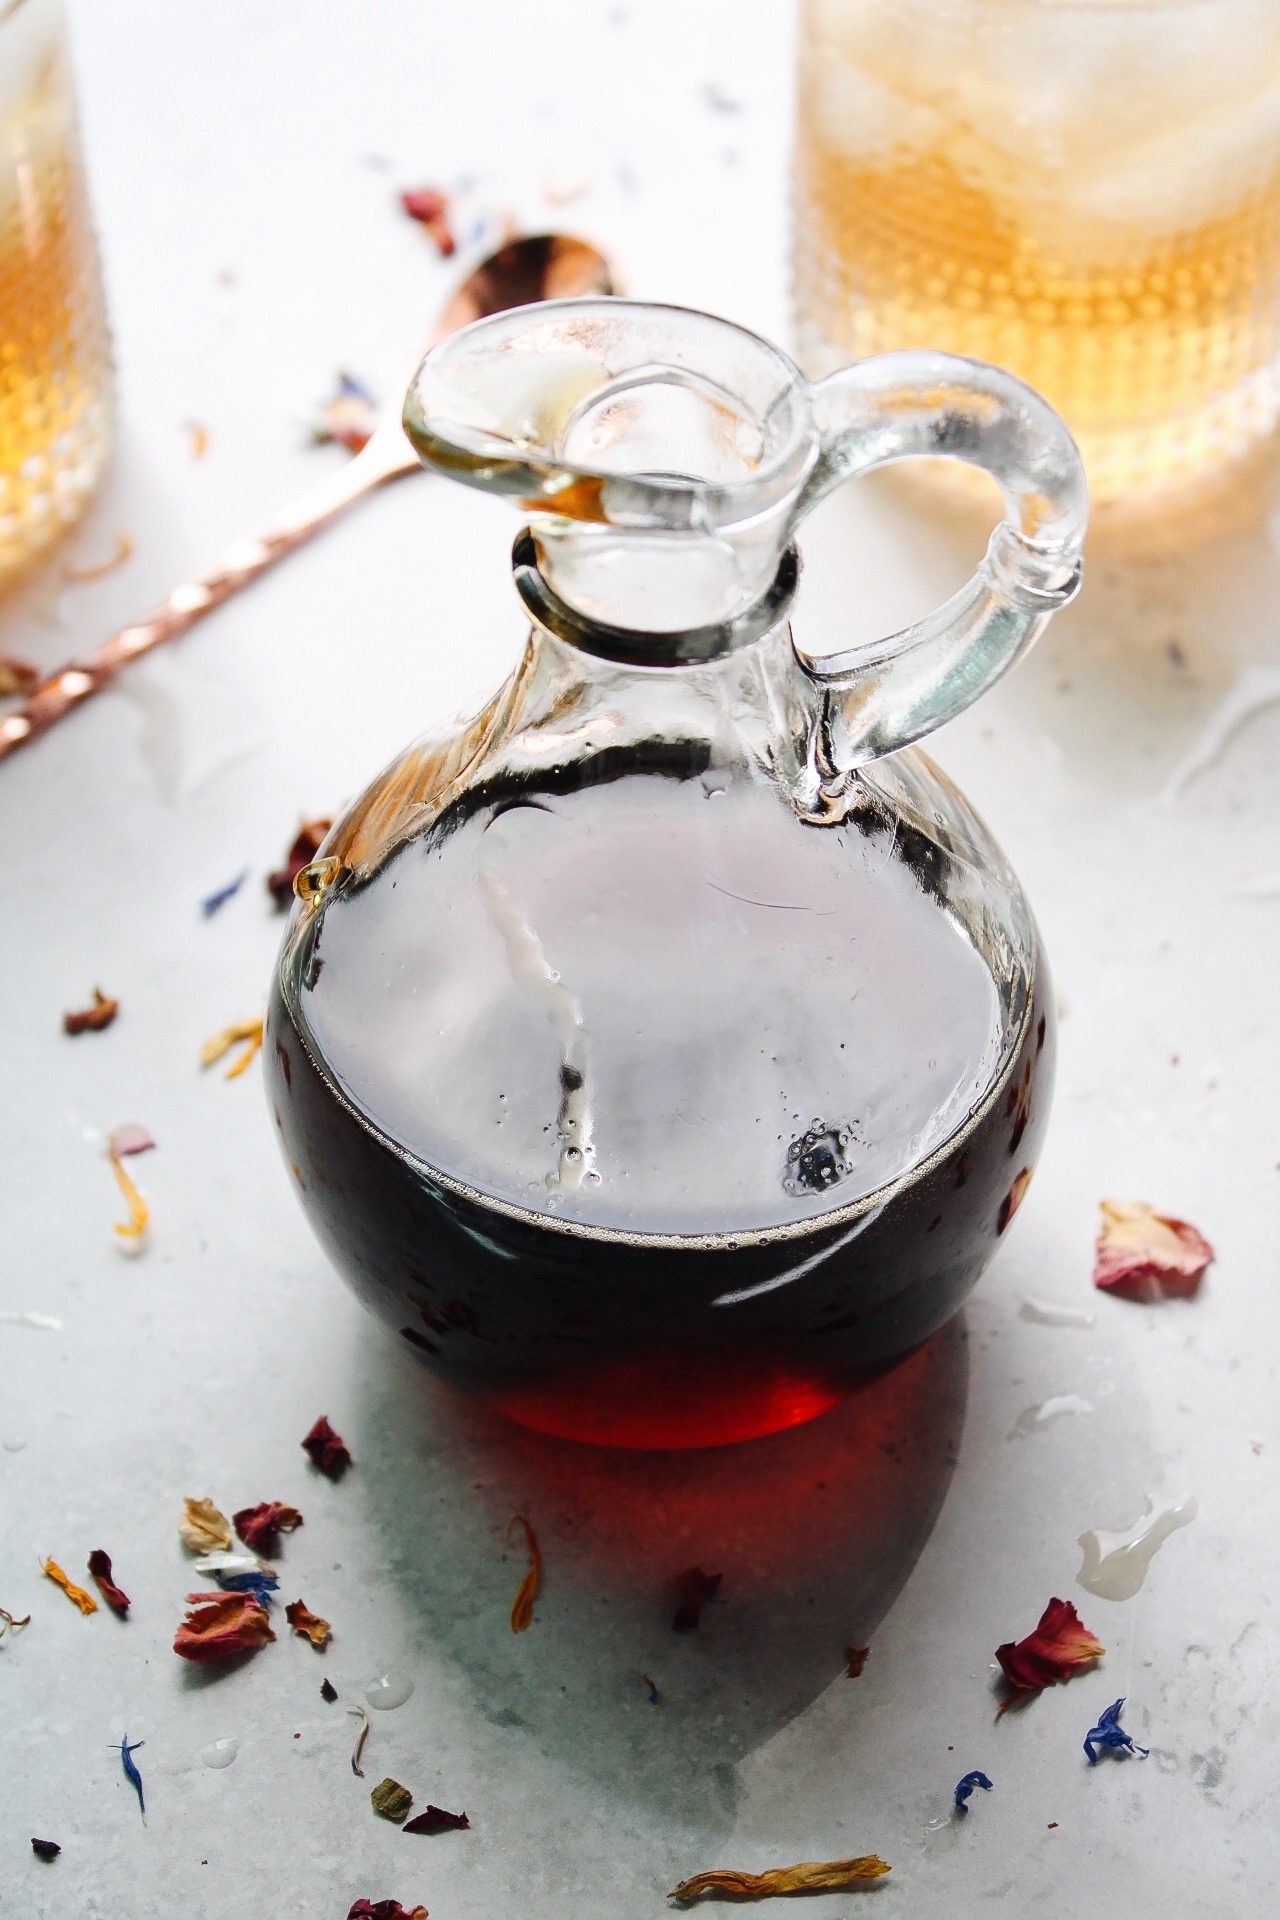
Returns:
<point x="1054" y="1313"/>
<point x="314" y="881"/>
<point x="1036" y="1419"/>
<point x="220" y="1753"/>
<point x="1115" y="1564"/>
<point x="390" y="1689"/>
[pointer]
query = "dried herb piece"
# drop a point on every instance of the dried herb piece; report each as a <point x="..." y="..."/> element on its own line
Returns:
<point x="1059" y="1649"/>
<point x="131" y="1773"/>
<point x="17" y="676"/>
<point x="247" y="1031"/>
<point x="965" y="1787"/>
<point x="391" y="1800"/>
<point x="326" y="1449"/>
<point x="437" y="1820"/>
<point x="653" y="1695"/>
<point x="202" y="1528"/>
<point x="92" y="1019"/>
<point x="76" y="576"/>
<point x="220" y="895"/>
<point x="695" y="1588"/>
<point x="855" y="1660"/>
<point x="128" y="1138"/>
<point x="46" y="1849"/>
<point x="199" y="436"/>
<point x="219" y="1625"/>
<point x="361" y="1737"/>
<point x="7" y="1620"/>
<point x="139" y="1212"/>
<point x="328" y="1691"/>
<point x="100" y="1568"/>
<point x="260" y="1527"/>
<point x="527" y="1592"/>
<point x="384" y="1910"/>
<point x="308" y="1625"/>
<point x="1109" y="1733"/>
<point x="307" y="843"/>
<point x="77" y="1595"/>
<point x="347" y="418"/>
<point x="429" y="207"/>
<point x="811" y="1876"/>
<point x="1148" y="1256"/>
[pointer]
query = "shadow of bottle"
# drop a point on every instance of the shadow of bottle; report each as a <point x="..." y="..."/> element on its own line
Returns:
<point x="813" y="1531"/>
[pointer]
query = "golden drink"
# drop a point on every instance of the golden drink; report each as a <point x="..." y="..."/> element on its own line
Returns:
<point x="1084" y="191"/>
<point x="55" y="365"/>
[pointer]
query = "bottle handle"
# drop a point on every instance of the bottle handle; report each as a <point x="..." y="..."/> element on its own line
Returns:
<point x="903" y="406"/>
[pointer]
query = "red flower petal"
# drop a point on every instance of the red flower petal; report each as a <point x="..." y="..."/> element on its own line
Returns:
<point x="327" y="1450"/>
<point x="1144" y="1255"/>
<point x="1061" y="1647"/>
<point x="100" y="1568"/>
<point x="260" y="1527"/>
<point x="309" y="1625"/>
<point x="220" y="1624"/>
<point x="385" y="1910"/>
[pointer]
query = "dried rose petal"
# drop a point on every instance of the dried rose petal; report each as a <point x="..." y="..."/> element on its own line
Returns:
<point x="1144" y="1255"/>
<point x="127" y="1139"/>
<point x="307" y="843"/>
<point x="326" y="1449"/>
<point x="436" y="1820"/>
<point x="384" y="1910"/>
<point x="1060" y="1648"/>
<point x="92" y="1019"/>
<point x="221" y="1624"/>
<point x="855" y="1661"/>
<point x="46" y="1849"/>
<point x="100" y="1568"/>
<point x="430" y="208"/>
<point x="202" y="1528"/>
<point x="260" y="1527"/>
<point x="695" y="1588"/>
<point x="308" y="1625"/>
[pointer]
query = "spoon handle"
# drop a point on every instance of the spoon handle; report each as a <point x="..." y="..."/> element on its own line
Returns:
<point x="78" y="680"/>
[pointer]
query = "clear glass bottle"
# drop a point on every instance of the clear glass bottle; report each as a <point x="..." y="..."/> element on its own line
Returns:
<point x="664" y="1049"/>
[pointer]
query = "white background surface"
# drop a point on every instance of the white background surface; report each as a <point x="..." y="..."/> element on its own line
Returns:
<point x="267" y="139"/>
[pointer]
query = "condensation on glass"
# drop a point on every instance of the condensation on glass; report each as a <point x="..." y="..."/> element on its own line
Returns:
<point x="55" y="356"/>
<point x="663" y="1050"/>
<point x="1086" y="191"/>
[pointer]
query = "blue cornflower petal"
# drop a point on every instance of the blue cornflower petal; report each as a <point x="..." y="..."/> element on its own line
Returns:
<point x="966" y="1786"/>
<point x="1110" y="1734"/>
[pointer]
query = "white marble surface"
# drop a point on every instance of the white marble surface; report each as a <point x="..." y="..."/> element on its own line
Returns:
<point x="266" y="141"/>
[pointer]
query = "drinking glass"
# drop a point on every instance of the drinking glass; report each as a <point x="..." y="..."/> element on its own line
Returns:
<point x="55" y="358"/>
<point x="1084" y="191"/>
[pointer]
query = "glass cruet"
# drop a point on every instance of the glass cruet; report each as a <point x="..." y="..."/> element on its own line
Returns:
<point x="663" y="1049"/>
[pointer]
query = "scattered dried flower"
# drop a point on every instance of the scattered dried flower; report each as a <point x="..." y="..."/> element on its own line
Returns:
<point x="247" y="1031"/>
<point x="653" y="1695"/>
<point x="1059" y="1649"/>
<point x="308" y="1625"/>
<point x="199" y="438"/>
<point x="855" y="1660"/>
<point x="221" y="1624"/>
<point x="391" y="1800"/>
<point x="131" y="1774"/>
<point x="128" y="1138"/>
<point x="430" y="209"/>
<point x="326" y="1449"/>
<point x="1109" y="1733"/>
<point x="328" y="1691"/>
<point x="966" y="1786"/>
<point x="240" y="1573"/>
<point x="695" y="1588"/>
<point x="348" y="418"/>
<point x="77" y="576"/>
<point x="77" y="1595"/>
<point x="17" y="676"/>
<point x="45" y="1849"/>
<point x="7" y="1621"/>
<point x="437" y="1820"/>
<point x="260" y="1527"/>
<point x="307" y="843"/>
<point x="811" y="1876"/>
<point x="1148" y="1256"/>
<point x="220" y="896"/>
<point x="139" y="1212"/>
<point x="92" y="1019"/>
<point x="527" y="1592"/>
<point x="1014" y="1198"/>
<point x="100" y="1568"/>
<point x="202" y="1528"/>
<point x="361" y="1737"/>
<point x="384" y="1910"/>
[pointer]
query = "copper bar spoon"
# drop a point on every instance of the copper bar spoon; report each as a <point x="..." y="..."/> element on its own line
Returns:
<point x="544" y="266"/>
